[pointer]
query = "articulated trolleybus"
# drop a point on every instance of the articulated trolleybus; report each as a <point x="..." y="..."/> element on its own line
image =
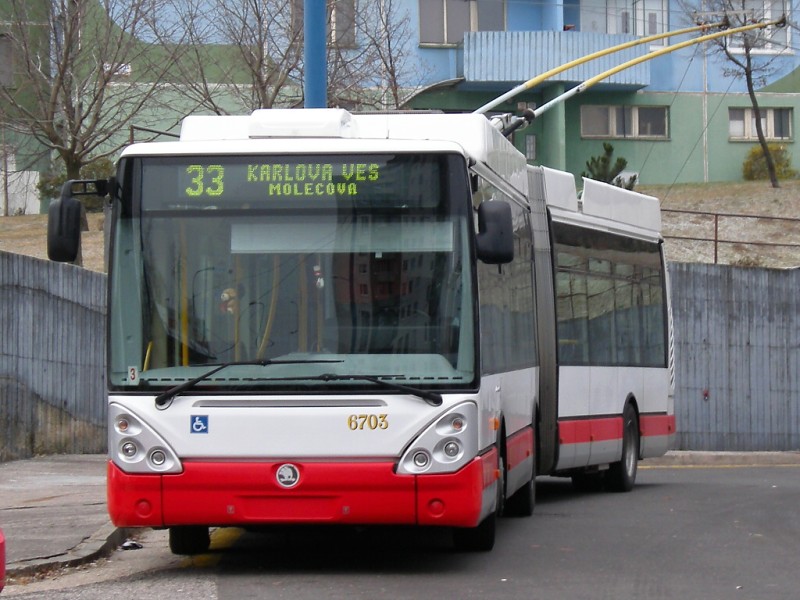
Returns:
<point x="324" y="318"/>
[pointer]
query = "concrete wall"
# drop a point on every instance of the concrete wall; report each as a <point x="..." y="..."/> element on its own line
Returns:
<point x="737" y="335"/>
<point x="52" y="356"/>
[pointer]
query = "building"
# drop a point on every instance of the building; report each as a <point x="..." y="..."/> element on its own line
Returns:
<point x="676" y="119"/>
<point x="21" y="157"/>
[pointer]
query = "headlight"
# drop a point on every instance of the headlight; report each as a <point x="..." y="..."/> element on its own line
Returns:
<point x="446" y="445"/>
<point x="135" y="447"/>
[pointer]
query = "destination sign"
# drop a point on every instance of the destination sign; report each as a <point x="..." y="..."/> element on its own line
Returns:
<point x="225" y="181"/>
<point x="304" y="179"/>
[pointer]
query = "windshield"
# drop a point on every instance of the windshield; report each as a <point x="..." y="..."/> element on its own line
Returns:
<point x="295" y="267"/>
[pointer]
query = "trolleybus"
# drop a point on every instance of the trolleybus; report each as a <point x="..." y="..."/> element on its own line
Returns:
<point x="317" y="317"/>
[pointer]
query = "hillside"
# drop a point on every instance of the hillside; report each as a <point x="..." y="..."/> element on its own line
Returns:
<point x="27" y="234"/>
<point x="777" y="222"/>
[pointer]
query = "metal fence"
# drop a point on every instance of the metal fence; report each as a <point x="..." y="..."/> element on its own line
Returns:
<point x="736" y="333"/>
<point x="732" y="238"/>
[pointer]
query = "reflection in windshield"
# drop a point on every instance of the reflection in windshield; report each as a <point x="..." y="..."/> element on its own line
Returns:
<point x="223" y="260"/>
<point x="383" y="294"/>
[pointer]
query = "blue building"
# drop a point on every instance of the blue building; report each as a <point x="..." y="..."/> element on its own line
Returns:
<point x="681" y="117"/>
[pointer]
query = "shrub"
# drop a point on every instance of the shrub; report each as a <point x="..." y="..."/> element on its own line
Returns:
<point x="601" y="168"/>
<point x="755" y="165"/>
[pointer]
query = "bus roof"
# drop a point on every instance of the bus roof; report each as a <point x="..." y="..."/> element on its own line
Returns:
<point x="600" y="205"/>
<point x="475" y="134"/>
<point x="337" y="130"/>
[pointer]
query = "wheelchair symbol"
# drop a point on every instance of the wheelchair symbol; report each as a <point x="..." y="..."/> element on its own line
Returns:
<point x="200" y="424"/>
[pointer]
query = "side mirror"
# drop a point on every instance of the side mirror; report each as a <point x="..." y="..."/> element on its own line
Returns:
<point x="495" y="239"/>
<point x="64" y="227"/>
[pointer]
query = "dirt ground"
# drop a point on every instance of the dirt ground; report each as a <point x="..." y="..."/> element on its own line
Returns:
<point x="764" y="233"/>
<point x="758" y="240"/>
<point x="27" y="234"/>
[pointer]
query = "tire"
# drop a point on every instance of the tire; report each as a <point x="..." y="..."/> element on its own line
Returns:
<point x="189" y="540"/>
<point x="622" y="475"/>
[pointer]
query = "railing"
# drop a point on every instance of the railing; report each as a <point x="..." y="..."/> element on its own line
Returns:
<point x="737" y="234"/>
<point x="502" y="56"/>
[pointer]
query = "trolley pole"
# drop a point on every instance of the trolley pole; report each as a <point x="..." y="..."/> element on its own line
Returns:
<point x="584" y="59"/>
<point x="315" y="85"/>
<point x="530" y="115"/>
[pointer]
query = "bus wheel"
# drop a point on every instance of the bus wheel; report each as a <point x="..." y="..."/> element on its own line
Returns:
<point x="622" y="475"/>
<point x="189" y="540"/>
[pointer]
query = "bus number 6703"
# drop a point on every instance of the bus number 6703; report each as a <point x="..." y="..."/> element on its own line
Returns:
<point x="361" y="422"/>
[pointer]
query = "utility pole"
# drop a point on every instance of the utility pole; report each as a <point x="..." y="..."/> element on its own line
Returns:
<point x="315" y="85"/>
<point x="4" y="150"/>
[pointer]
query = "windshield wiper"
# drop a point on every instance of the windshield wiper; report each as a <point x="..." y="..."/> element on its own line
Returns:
<point x="432" y="398"/>
<point x="165" y="397"/>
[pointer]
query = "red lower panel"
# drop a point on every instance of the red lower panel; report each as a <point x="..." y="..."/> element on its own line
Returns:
<point x="2" y="560"/>
<point x="578" y="431"/>
<point x="134" y="500"/>
<point x="655" y="425"/>
<point x="237" y="493"/>
<point x="519" y="447"/>
<point x="249" y="494"/>
<point x="583" y="431"/>
<point x="456" y="499"/>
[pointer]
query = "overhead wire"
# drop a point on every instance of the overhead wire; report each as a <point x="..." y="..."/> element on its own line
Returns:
<point x="672" y="102"/>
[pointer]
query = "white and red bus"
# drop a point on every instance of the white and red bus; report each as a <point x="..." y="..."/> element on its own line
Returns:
<point x="324" y="318"/>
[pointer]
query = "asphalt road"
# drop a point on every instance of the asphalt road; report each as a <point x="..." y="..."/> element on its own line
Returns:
<point x="710" y="533"/>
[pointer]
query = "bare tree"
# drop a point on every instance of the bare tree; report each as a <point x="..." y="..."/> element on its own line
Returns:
<point x="248" y="54"/>
<point x="387" y="34"/>
<point x="241" y="54"/>
<point x="738" y="51"/>
<point x="84" y="69"/>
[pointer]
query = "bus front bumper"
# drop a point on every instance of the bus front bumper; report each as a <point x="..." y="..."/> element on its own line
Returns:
<point x="256" y="493"/>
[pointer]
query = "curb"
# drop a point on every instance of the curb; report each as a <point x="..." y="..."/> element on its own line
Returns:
<point x="100" y="544"/>
<point x="699" y="459"/>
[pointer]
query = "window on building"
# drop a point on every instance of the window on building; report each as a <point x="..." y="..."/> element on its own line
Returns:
<point x="446" y="21"/>
<point x="775" y="122"/>
<point x="770" y="39"/>
<point x="648" y="122"/>
<point x="530" y="147"/>
<point x="641" y="17"/>
<point x="6" y="62"/>
<point x="341" y="21"/>
<point x="651" y="17"/>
